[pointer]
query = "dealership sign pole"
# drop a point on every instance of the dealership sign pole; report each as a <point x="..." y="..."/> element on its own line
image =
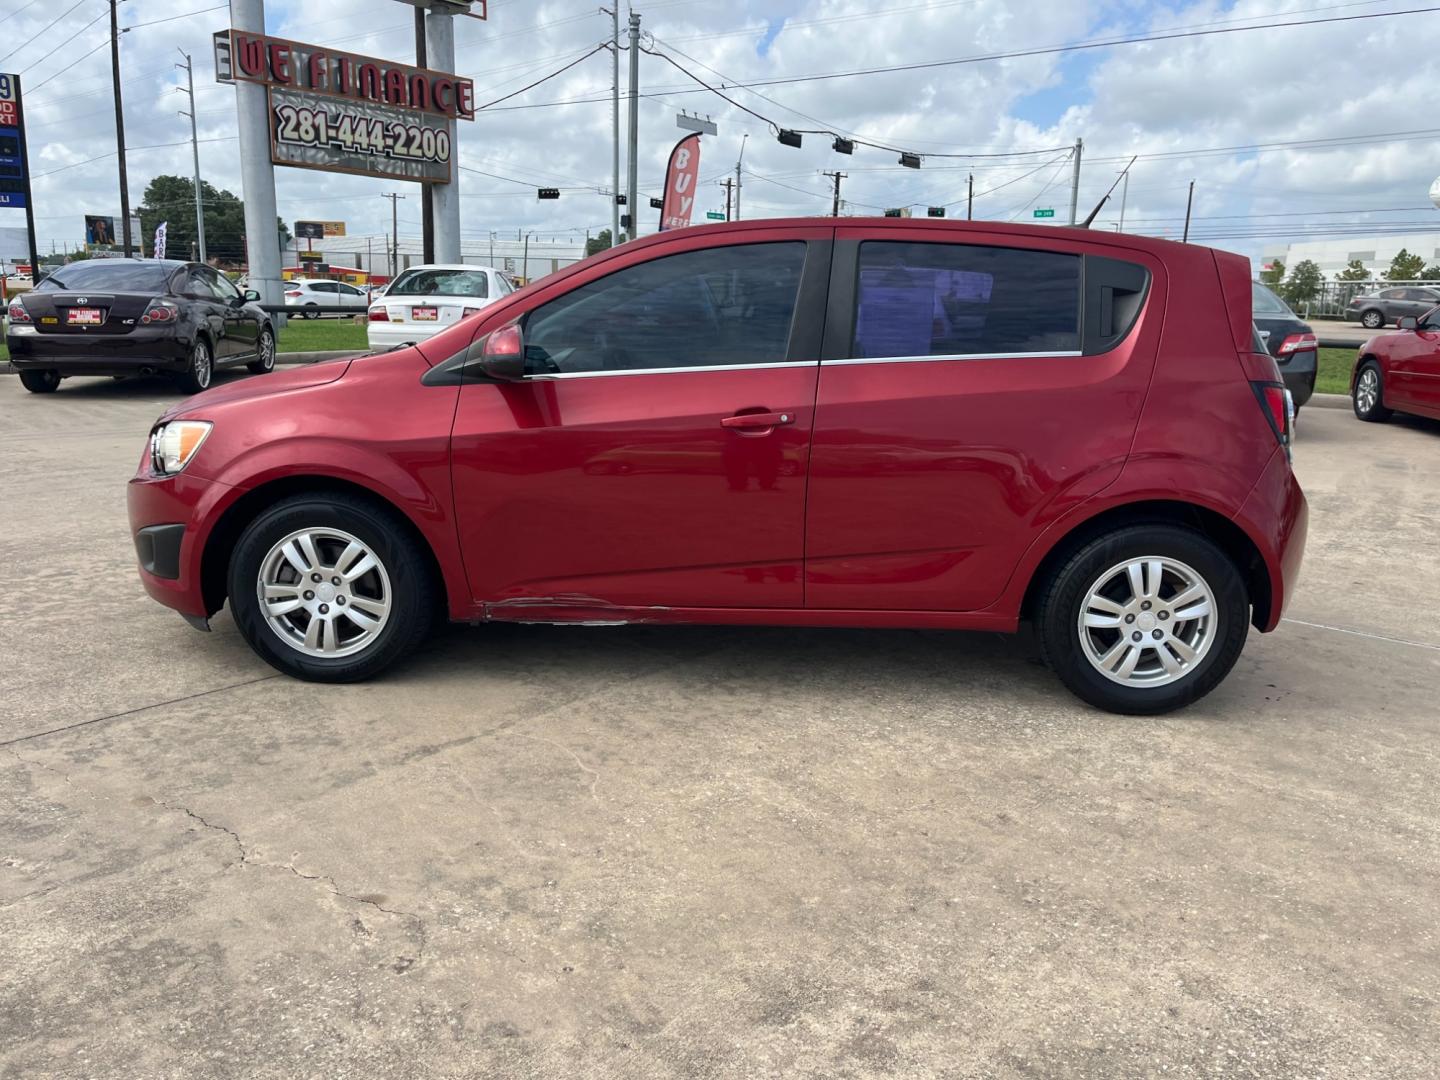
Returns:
<point x="15" y="162"/>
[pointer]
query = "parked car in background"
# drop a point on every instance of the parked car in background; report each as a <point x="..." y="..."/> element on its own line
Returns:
<point x="136" y="316"/>
<point x="1399" y="372"/>
<point x="1289" y="340"/>
<point x="885" y="423"/>
<point x="1389" y="305"/>
<point x="311" y="295"/>
<point x="425" y="300"/>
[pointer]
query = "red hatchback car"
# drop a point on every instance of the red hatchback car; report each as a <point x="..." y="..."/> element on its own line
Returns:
<point x="878" y="423"/>
<point x="1399" y="372"/>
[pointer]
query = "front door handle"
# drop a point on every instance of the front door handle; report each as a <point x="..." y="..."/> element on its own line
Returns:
<point x="760" y="423"/>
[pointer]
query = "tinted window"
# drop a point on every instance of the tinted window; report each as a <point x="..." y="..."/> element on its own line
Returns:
<point x="441" y="283"/>
<point x="1266" y="302"/>
<point x="699" y="309"/>
<point x="349" y="290"/>
<point x="222" y="285"/>
<point x="1393" y="294"/>
<point x="200" y="284"/>
<point x="115" y="277"/>
<point x="321" y="286"/>
<point x="917" y="299"/>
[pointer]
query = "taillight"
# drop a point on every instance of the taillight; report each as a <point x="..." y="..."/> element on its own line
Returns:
<point x="470" y="311"/>
<point x="1276" y="403"/>
<point x="1297" y="343"/>
<point x="297" y="292"/>
<point x="160" y="311"/>
<point x="379" y="314"/>
<point x="18" y="313"/>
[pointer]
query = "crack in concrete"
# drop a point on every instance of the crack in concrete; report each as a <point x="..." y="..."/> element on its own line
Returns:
<point x="594" y="776"/>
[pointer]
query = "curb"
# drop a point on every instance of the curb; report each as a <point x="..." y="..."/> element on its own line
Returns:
<point x="1328" y="401"/>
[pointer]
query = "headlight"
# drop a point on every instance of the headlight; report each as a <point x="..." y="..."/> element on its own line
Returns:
<point x="172" y="445"/>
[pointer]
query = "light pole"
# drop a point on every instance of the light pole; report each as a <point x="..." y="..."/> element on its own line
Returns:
<point x="195" y="151"/>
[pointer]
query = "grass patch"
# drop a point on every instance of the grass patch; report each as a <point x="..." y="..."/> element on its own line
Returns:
<point x="321" y="335"/>
<point x="1333" y="376"/>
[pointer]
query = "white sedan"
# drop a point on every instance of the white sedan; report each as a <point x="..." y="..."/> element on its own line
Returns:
<point x="424" y="300"/>
<point x="310" y="295"/>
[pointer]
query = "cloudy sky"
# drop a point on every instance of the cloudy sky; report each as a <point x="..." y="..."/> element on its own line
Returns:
<point x="1223" y="109"/>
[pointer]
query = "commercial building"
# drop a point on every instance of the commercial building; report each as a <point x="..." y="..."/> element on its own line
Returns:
<point x="1374" y="252"/>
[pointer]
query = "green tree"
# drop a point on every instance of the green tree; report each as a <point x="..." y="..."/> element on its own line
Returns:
<point x="1431" y="273"/>
<point x="172" y="199"/>
<point x="1354" y="271"/>
<point x="1304" y="282"/>
<point x="597" y="244"/>
<point x="1273" y="274"/>
<point x="1404" y="267"/>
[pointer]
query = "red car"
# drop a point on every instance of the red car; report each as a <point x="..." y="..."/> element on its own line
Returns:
<point x="1399" y="372"/>
<point x="877" y="423"/>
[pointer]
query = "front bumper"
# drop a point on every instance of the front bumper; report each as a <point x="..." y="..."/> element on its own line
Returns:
<point x="170" y="521"/>
<point x="108" y="354"/>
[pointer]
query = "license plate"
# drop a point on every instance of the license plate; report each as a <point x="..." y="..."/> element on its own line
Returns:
<point x="424" y="314"/>
<point x="84" y="316"/>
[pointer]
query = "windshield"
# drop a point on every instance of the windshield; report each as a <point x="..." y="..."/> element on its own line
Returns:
<point x="1266" y="302"/>
<point x="110" y="277"/>
<point x="441" y="283"/>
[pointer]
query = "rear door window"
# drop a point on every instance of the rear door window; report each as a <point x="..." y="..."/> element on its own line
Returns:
<point x="929" y="299"/>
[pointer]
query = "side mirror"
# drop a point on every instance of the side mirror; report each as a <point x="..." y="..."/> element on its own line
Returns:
<point x="503" y="354"/>
<point x="1408" y="322"/>
<point x="251" y="296"/>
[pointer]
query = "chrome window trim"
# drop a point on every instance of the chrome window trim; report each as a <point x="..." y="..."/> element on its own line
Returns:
<point x="545" y="376"/>
<point x="949" y="356"/>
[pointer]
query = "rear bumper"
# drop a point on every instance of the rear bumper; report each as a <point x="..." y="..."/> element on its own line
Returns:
<point x="170" y="519"/>
<point x="110" y="354"/>
<point x="387" y="335"/>
<point x="1299" y="371"/>
<point x="1276" y="516"/>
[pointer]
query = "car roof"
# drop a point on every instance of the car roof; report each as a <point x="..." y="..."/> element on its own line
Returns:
<point x="448" y="266"/>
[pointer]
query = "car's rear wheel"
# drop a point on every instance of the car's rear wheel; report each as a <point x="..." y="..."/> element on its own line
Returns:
<point x="330" y="588"/>
<point x="40" y="382"/>
<point x="200" y="371"/>
<point x="1372" y="319"/>
<point x="265" y="353"/>
<point x="1368" y="397"/>
<point x="310" y="312"/>
<point x="1144" y="620"/>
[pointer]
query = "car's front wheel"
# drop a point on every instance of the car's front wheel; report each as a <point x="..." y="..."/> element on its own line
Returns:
<point x="264" y="353"/>
<point x="310" y="312"/>
<point x="200" y="370"/>
<point x="330" y="588"/>
<point x="1368" y="397"/>
<point x="1372" y="319"/>
<point x="1144" y="619"/>
<point x="40" y="382"/>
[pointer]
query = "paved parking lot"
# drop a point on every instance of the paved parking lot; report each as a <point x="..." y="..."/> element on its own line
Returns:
<point x="657" y="852"/>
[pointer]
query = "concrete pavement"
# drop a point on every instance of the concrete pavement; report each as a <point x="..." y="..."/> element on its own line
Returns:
<point x="643" y="852"/>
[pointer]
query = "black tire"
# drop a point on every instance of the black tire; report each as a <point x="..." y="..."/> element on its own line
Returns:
<point x="1372" y="319"/>
<point x="201" y="370"/>
<point x="414" y="598"/>
<point x="309" y="312"/>
<point x="1068" y="587"/>
<point x="265" y="347"/>
<point x="40" y="382"/>
<point x="1373" y="410"/>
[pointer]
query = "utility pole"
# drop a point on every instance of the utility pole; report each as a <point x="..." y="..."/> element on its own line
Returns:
<point x="195" y="151"/>
<point x="1075" y="181"/>
<point x="427" y="197"/>
<point x="729" y="190"/>
<point x="632" y="193"/>
<point x="120" y="127"/>
<point x="738" y="161"/>
<point x="394" y="198"/>
<point x="1189" y="200"/>
<point x="525" y="260"/>
<point x="835" y="205"/>
<point x="970" y="200"/>
<point x="614" y="14"/>
<point x="1124" y="194"/>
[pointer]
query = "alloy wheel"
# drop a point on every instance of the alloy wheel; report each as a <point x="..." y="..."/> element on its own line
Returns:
<point x="324" y="592"/>
<point x="1147" y="622"/>
<point x="200" y="363"/>
<point x="1367" y="390"/>
<point x="267" y="350"/>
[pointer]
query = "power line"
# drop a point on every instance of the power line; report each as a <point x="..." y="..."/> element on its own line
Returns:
<point x="172" y="18"/>
<point x="559" y="71"/>
<point x="38" y="36"/>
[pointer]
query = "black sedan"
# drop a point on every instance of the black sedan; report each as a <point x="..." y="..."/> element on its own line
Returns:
<point x="136" y="317"/>
<point x="1290" y="341"/>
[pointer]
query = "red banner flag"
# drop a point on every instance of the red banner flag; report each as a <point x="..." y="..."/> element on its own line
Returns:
<point x="681" y="176"/>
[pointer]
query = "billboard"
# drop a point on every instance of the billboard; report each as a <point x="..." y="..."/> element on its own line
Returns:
<point x="318" y="230"/>
<point x="342" y="112"/>
<point x="99" y="231"/>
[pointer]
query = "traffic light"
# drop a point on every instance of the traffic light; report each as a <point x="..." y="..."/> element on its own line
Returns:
<point x="657" y="204"/>
<point x="789" y="138"/>
<point x="843" y="146"/>
<point x="620" y="200"/>
<point x="910" y="161"/>
<point x="625" y="221"/>
<point x="548" y="193"/>
<point x="935" y="211"/>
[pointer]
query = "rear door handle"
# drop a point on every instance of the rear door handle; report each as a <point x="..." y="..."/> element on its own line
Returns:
<point x="757" y="423"/>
